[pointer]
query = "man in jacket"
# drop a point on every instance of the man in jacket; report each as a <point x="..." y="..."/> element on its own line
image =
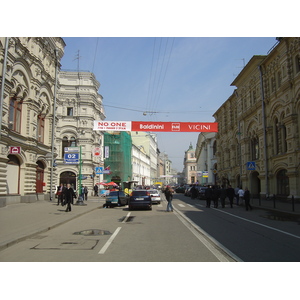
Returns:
<point x="69" y="195"/>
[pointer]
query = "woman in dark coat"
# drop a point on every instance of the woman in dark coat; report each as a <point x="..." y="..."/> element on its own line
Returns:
<point x="69" y="195"/>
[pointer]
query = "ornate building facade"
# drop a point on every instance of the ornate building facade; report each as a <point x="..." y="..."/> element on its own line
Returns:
<point x="28" y="79"/>
<point x="259" y="125"/>
<point x="79" y="105"/>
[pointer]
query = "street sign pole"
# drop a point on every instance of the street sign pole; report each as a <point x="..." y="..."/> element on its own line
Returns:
<point x="80" y="200"/>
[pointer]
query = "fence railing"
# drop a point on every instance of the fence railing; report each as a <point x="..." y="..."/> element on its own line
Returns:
<point x="287" y="204"/>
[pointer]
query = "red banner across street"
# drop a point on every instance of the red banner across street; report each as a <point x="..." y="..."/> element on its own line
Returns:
<point x="174" y="126"/>
<point x="156" y="126"/>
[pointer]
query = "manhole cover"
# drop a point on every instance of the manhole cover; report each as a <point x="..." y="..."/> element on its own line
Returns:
<point x="92" y="232"/>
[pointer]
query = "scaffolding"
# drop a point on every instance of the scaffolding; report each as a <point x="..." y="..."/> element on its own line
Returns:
<point x="119" y="157"/>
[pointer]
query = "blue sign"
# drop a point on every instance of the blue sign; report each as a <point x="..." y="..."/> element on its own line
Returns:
<point x="251" y="165"/>
<point x="99" y="170"/>
<point x="71" y="158"/>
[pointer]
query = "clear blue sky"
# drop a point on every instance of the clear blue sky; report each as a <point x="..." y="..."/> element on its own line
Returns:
<point x="178" y="79"/>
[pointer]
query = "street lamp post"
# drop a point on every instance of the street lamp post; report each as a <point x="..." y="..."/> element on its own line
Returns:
<point x="53" y="125"/>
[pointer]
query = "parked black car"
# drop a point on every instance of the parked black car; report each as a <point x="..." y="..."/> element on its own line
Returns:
<point x="140" y="199"/>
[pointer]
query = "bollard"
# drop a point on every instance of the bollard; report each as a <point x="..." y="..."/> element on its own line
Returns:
<point x="293" y="203"/>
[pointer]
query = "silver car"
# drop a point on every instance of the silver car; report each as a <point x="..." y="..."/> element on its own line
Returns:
<point x="155" y="196"/>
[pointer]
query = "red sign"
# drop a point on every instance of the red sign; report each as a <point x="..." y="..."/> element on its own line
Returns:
<point x="14" y="150"/>
<point x="174" y="126"/>
<point x="155" y="126"/>
<point x="97" y="151"/>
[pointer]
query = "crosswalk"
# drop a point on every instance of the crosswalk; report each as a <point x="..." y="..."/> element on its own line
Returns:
<point x="184" y="205"/>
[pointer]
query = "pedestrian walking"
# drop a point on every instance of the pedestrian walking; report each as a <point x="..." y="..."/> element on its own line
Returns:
<point x="247" y="199"/>
<point x="169" y="197"/>
<point x="208" y="195"/>
<point x="230" y="195"/>
<point x="60" y="194"/>
<point x="236" y="191"/>
<point x="85" y="191"/>
<point x="223" y="195"/>
<point x="241" y="195"/>
<point x="216" y="195"/>
<point x="96" y="190"/>
<point x="69" y="196"/>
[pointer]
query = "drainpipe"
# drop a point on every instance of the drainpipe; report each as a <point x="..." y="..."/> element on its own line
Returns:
<point x="264" y="130"/>
<point x="3" y="82"/>
<point x="53" y="125"/>
<point x="240" y="146"/>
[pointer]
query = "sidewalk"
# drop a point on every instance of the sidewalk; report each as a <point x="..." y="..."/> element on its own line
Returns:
<point x="23" y="220"/>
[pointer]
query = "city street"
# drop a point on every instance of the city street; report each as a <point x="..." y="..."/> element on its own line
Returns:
<point x="192" y="233"/>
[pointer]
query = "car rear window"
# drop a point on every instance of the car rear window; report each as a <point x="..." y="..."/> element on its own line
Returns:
<point x="139" y="193"/>
<point x="113" y="193"/>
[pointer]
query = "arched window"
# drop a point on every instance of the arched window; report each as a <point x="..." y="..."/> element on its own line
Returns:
<point x="68" y="143"/>
<point x="283" y="136"/>
<point x="254" y="148"/>
<point x="15" y="112"/>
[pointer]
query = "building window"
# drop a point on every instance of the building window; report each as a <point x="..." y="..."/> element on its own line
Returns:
<point x="70" y="111"/>
<point x="254" y="149"/>
<point x="215" y="148"/>
<point x="15" y="112"/>
<point x="68" y="143"/>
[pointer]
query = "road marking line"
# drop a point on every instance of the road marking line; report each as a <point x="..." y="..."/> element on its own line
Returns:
<point x="107" y="244"/>
<point x="181" y="205"/>
<point x="272" y="228"/>
<point x="209" y="242"/>
<point x="190" y="205"/>
<point x="126" y="218"/>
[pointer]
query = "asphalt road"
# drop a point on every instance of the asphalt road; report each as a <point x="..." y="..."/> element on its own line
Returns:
<point x="118" y="235"/>
<point x="192" y="233"/>
<point x="253" y="236"/>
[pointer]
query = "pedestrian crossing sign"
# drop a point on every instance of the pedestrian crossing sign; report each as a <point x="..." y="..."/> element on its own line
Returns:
<point x="251" y="165"/>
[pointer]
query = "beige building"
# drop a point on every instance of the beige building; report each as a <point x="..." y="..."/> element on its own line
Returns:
<point x="206" y="158"/>
<point x="79" y="105"/>
<point x="27" y="95"/>
<point x="258" y="139"/>
<point x="190" y="166"/>
<point x="149" y="143"/>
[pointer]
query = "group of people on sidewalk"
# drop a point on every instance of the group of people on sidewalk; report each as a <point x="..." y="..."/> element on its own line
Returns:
<point x="66" y="195"/>
<point x="213" y="193"/>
